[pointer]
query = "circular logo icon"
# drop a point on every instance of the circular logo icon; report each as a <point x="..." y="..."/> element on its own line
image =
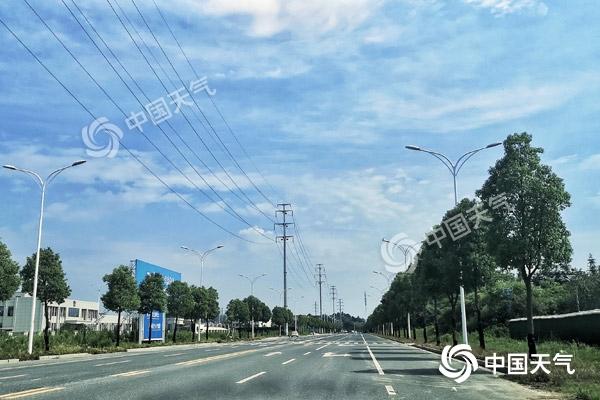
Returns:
<point x="90" y="133"/>
<point x="398" y="253"/>
<point x="463" y="353"/>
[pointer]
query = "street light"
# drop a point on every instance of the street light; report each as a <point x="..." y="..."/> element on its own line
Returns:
<point x="280" y="291"/>
<point x="454" y="168"/>
<point x="380" y="290"/>
<point x="43" y="185"/>
<point x="252" y="280"/>
<point x="202" y="257"/>
<point x="404" y="248"/>
<point x="387" y="278"/>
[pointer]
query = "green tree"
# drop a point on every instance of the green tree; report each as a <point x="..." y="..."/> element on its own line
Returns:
<point x="179" y="302"/>
<point x="210" y="306"/>
<point x="9" y="274"/>
<point x="280" y="316"/>
<point x="52" y="283"/>
<point x="592" y="265"/>
<point x="238" y="312"/>
<point x="527" y="233"/>
<point x="152" y="297"/>
<point x="257" y="309"/>
<point x="122" y="294"/>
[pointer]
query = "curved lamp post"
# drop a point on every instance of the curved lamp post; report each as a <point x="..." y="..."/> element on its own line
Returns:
<point x="252" y="280"/>
<point x="43" y="184"/>
<point x="202" y="257"/>
<point x="454" y="168"/>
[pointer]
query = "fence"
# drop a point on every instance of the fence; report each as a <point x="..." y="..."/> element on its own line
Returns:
<point x="581" y="326"/>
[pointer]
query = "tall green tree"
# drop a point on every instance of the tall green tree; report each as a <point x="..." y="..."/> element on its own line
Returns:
<point x="52" y="283"/>
<point x="280" y="316"/>
<point x="238" y="312"/>
<point x="9" y="274"/>
<point x="179" y="302"/>
<point x="211" y="306"/>
<point x="122" y="294"/>
<point x="152" y="297"/>
<point x="527" y="233"/>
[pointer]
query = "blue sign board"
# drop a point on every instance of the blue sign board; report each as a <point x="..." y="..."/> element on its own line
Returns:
<point x="142" y="269"/>
<point x="157" y="325"/>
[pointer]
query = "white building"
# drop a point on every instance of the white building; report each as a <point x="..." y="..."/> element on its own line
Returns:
<point x="15" y="314"/>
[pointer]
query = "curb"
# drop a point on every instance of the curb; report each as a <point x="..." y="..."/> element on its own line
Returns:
<point x="9" y="361"/>
<point x="64" y="356"/>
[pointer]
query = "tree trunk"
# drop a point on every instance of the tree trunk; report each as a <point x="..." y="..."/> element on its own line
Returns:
<point x="435" y="322"/>
<point x="193" y="329"/>
<point x="118" y="328"/>
<point x="530" y="327"/>
<point x="479" y="323"/>
<point x="414" y="335"/>
<point x="46" y="328"/>
<point x="150" y="329"/>
<point x="175" y="330"/>
<point x="207" y="327"/>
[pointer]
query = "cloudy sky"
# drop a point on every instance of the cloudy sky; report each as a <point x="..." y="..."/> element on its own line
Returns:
<point x="322" y="95"/>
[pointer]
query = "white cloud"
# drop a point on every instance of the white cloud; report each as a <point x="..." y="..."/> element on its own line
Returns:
<point x="591" y="163"/>
<point x="270" y="17"/>
<point x="503" y="7"/>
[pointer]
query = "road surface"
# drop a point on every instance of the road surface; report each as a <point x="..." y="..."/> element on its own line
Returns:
<point x="345" y="366"/>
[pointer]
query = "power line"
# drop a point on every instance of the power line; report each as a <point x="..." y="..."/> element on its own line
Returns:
<point x="60" y="82"/>
<point x="183" y="114"/>
<point x="216" y="107"/>
<point x="232" y="212"/>
<point x="201" y="112"/>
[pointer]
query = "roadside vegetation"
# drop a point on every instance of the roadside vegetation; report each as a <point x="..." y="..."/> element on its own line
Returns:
<point x="514" y="262"/>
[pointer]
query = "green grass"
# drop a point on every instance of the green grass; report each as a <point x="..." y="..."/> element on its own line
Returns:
<point x="69" y="342"/>
<point x="584" y="384"/>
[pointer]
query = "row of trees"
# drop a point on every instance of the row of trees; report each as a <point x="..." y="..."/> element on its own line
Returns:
<point x="179" y="300"/>
<point x="52" y="282"/>
<point x="517" y="234"/>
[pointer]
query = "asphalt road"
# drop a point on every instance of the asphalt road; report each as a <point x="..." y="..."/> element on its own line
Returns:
<point x="349" y="366"/>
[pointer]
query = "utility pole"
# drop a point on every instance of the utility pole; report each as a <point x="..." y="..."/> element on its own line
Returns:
<point x="315" y="308"/>
<point x="340" y="305"/>
<point x="284" y="210"/>
<point x="366" y="304"/>
<point x="333" y="293"/>
<point x="320" y="275"/>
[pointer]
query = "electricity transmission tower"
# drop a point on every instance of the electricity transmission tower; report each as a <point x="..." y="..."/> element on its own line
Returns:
<point x="284" y="210"/>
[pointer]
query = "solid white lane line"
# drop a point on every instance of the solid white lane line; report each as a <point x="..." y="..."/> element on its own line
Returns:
<point x="251" y="377"/>
<point x="173" y="355"/>
<point x="322" y="347"/>
<point x="11" y="377"/>
<point x="375" y="362"/>
<point x="112" y="363"/>
<point x="288" y="361"/>
<point x="390" y="390"/>
<point x="131" y="373"/>
<point x="307" y="353"/>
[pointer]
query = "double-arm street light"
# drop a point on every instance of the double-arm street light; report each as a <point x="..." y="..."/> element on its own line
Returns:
<point x="252" y="280"/>
<point x="202" y="257"/>
<point x="454" y="168"/>
<point x="387" y="278"/>
<point x="43" y="185"/>
<point x="376" y="288"/>
<point x="280" y="291"/>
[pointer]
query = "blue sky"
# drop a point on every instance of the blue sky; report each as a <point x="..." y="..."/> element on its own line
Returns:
<point x="323" y="96"/>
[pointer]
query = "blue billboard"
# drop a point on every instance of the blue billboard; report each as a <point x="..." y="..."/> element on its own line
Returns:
<point x="142" y="269"/>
